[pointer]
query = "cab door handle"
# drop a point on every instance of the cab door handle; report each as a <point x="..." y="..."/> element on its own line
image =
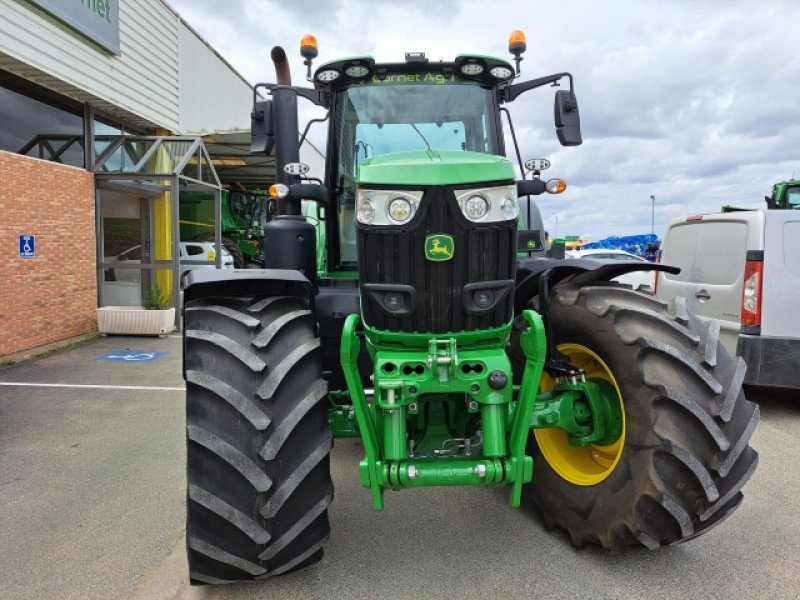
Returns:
<point x="703" y="295"/>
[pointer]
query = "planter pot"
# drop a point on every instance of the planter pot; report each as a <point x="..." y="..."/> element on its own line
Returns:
<point x="135" y="320"/>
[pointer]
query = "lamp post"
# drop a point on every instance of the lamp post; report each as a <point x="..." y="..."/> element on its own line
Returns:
<point x="653" y="214"/>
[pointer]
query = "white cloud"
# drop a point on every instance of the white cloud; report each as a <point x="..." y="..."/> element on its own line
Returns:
<point x="693" y="102"/>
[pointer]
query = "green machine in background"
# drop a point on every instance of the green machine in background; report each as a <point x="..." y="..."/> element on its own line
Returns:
<point x="417" y="309"/>
<point x="244" y="215"/>
<point x="785" y="195"/>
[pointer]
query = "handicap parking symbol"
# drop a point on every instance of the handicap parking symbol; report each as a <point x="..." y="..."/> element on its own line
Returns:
<point x="27" y="245"/>
<point x="131" y="356"/>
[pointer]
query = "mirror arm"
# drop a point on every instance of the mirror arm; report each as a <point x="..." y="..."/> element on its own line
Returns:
<point x="308" y="126"/>
<point x="511" y="92"/>
<point x="530" y="187"/>
<point x="310" y="191"/>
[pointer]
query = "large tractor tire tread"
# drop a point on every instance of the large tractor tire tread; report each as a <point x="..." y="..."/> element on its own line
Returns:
<point x="686" y="455"/>
<point x="258" y="441"/>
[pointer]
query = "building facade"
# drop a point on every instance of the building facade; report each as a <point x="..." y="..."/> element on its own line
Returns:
<point x="86" y="86"/>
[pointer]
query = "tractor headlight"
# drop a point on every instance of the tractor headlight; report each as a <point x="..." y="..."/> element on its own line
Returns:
<point x="476" y="207"/>
<point x="400" y="209"/>
<point x="386" y="207"/>
<point x="489" y="205"/>
<point x="509" y="206"/>
<point x="366" y="211"/>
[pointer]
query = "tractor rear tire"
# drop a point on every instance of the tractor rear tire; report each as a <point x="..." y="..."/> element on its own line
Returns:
<point x="258" y="440"/>
<point x="679" y="467"/>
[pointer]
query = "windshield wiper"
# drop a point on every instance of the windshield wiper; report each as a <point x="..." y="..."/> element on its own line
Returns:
<point x="422" y="136"/>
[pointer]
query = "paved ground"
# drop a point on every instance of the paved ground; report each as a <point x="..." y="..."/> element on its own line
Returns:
<point x="92" y="506"/>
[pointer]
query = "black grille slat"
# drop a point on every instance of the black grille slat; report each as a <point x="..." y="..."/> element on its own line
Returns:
<point x="391" y="255"/>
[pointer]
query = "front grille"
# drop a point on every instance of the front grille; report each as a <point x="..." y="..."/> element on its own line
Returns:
<point x="396" y="255"/>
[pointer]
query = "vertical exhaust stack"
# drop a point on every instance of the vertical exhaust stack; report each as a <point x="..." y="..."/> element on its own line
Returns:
<point x="290" y="242"/>
<point x="287" y="147"/>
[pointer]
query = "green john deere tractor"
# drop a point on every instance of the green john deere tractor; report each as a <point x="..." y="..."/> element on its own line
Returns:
<point x="785" y="195"/>
<point x="431" y="325"/>
<point x="243" y="216"/>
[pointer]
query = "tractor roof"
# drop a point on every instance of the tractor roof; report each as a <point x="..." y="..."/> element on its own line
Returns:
<point x="487" y="70"/>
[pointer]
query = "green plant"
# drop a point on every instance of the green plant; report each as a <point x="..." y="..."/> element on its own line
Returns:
<point x="156" y="300"/>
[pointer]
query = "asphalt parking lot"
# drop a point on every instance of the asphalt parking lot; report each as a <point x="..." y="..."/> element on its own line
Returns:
<point x="92" y="492"/>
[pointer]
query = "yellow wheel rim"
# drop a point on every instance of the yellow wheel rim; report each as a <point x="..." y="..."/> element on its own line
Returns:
<point x="578" y="465"/>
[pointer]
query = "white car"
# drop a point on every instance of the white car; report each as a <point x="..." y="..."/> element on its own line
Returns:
<point x="192" y="256"/>
<point x="638" y="280"/>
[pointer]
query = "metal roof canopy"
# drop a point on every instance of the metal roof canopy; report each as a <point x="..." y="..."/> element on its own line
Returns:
<point x="151" y="165"/>
<point x="236" y="167"/>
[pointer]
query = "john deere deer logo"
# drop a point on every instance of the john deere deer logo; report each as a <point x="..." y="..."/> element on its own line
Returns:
<point x="439" y="247"/>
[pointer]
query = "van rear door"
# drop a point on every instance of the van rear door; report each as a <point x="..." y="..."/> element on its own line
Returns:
<point x="780" y="316"/>
<point x="711" y="251"/>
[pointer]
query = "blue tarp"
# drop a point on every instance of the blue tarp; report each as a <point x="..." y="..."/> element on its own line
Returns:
<point x="635" y="244"/>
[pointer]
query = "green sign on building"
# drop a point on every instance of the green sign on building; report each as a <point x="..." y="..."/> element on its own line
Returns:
<point x="96" y="20"/>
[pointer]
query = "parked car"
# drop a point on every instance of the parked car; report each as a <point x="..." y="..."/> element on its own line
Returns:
<point x="638" y="280"/>
<point x="742" y="269"/>
<point x="193" y="255"/>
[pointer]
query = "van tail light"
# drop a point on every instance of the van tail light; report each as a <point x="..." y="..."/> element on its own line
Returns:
<point x="751" y="291"/>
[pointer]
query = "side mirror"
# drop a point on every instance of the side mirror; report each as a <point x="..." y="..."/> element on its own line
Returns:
<point x="262" y="128"/>
<point x="567" y="118"/>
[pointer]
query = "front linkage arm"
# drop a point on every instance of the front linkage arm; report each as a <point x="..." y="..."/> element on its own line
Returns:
<point x="583" y="409"/>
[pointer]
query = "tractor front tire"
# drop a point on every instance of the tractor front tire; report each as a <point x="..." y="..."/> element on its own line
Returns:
<point x="258" y="440"/>
<point x="680" y="464"/>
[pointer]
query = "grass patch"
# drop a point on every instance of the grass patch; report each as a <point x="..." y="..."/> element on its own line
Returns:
<point x="67" y="346"/>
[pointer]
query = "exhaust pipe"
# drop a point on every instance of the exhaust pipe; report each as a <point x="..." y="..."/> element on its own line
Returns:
<point x="282" y="74"/>
<point x="287" y="145"/>
<point x="290" y="242"/>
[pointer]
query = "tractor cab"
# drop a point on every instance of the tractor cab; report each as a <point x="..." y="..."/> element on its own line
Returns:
<point x="409" y="123"/>
<point x="785" y="195"/>
<point x="417" y="123"/>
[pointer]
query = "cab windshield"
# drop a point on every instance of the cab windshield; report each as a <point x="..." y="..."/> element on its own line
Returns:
<point x="397" y="116"/>
<point x="793" y="197"/>
<point x="420" y="111"/>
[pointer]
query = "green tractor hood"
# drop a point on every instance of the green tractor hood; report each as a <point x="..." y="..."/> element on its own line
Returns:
<point x="432" y="167"/>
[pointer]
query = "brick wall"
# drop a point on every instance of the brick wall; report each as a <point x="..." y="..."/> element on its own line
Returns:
<point x="53" y="296"/>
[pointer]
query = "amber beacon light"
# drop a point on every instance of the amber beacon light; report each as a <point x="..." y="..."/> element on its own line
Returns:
<point x="517" y="45"/>
<point x="309" y="51"/>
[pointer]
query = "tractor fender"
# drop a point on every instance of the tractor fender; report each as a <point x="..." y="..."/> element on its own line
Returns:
<point x="203" y="283"/>
<point x="581" y="271"/>
<point x="208" y="283"/>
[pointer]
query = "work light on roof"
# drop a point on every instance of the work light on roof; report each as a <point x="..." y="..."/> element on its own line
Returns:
<point x="357" y="71"/>
<point x="328" y="75"/>
<point x="500" y="72"/>
<point x="472" y="68"/>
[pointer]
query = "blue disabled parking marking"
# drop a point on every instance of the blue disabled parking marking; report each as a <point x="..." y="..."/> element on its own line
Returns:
<point x="131" y="356"/>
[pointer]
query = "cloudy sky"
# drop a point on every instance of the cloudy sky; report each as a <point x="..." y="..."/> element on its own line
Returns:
<point x="696" y="102"/>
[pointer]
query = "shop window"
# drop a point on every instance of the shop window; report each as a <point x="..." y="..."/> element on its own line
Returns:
<point x="38" y="123"/>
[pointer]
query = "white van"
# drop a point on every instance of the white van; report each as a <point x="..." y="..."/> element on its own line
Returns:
<point x="742" y="269"/>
